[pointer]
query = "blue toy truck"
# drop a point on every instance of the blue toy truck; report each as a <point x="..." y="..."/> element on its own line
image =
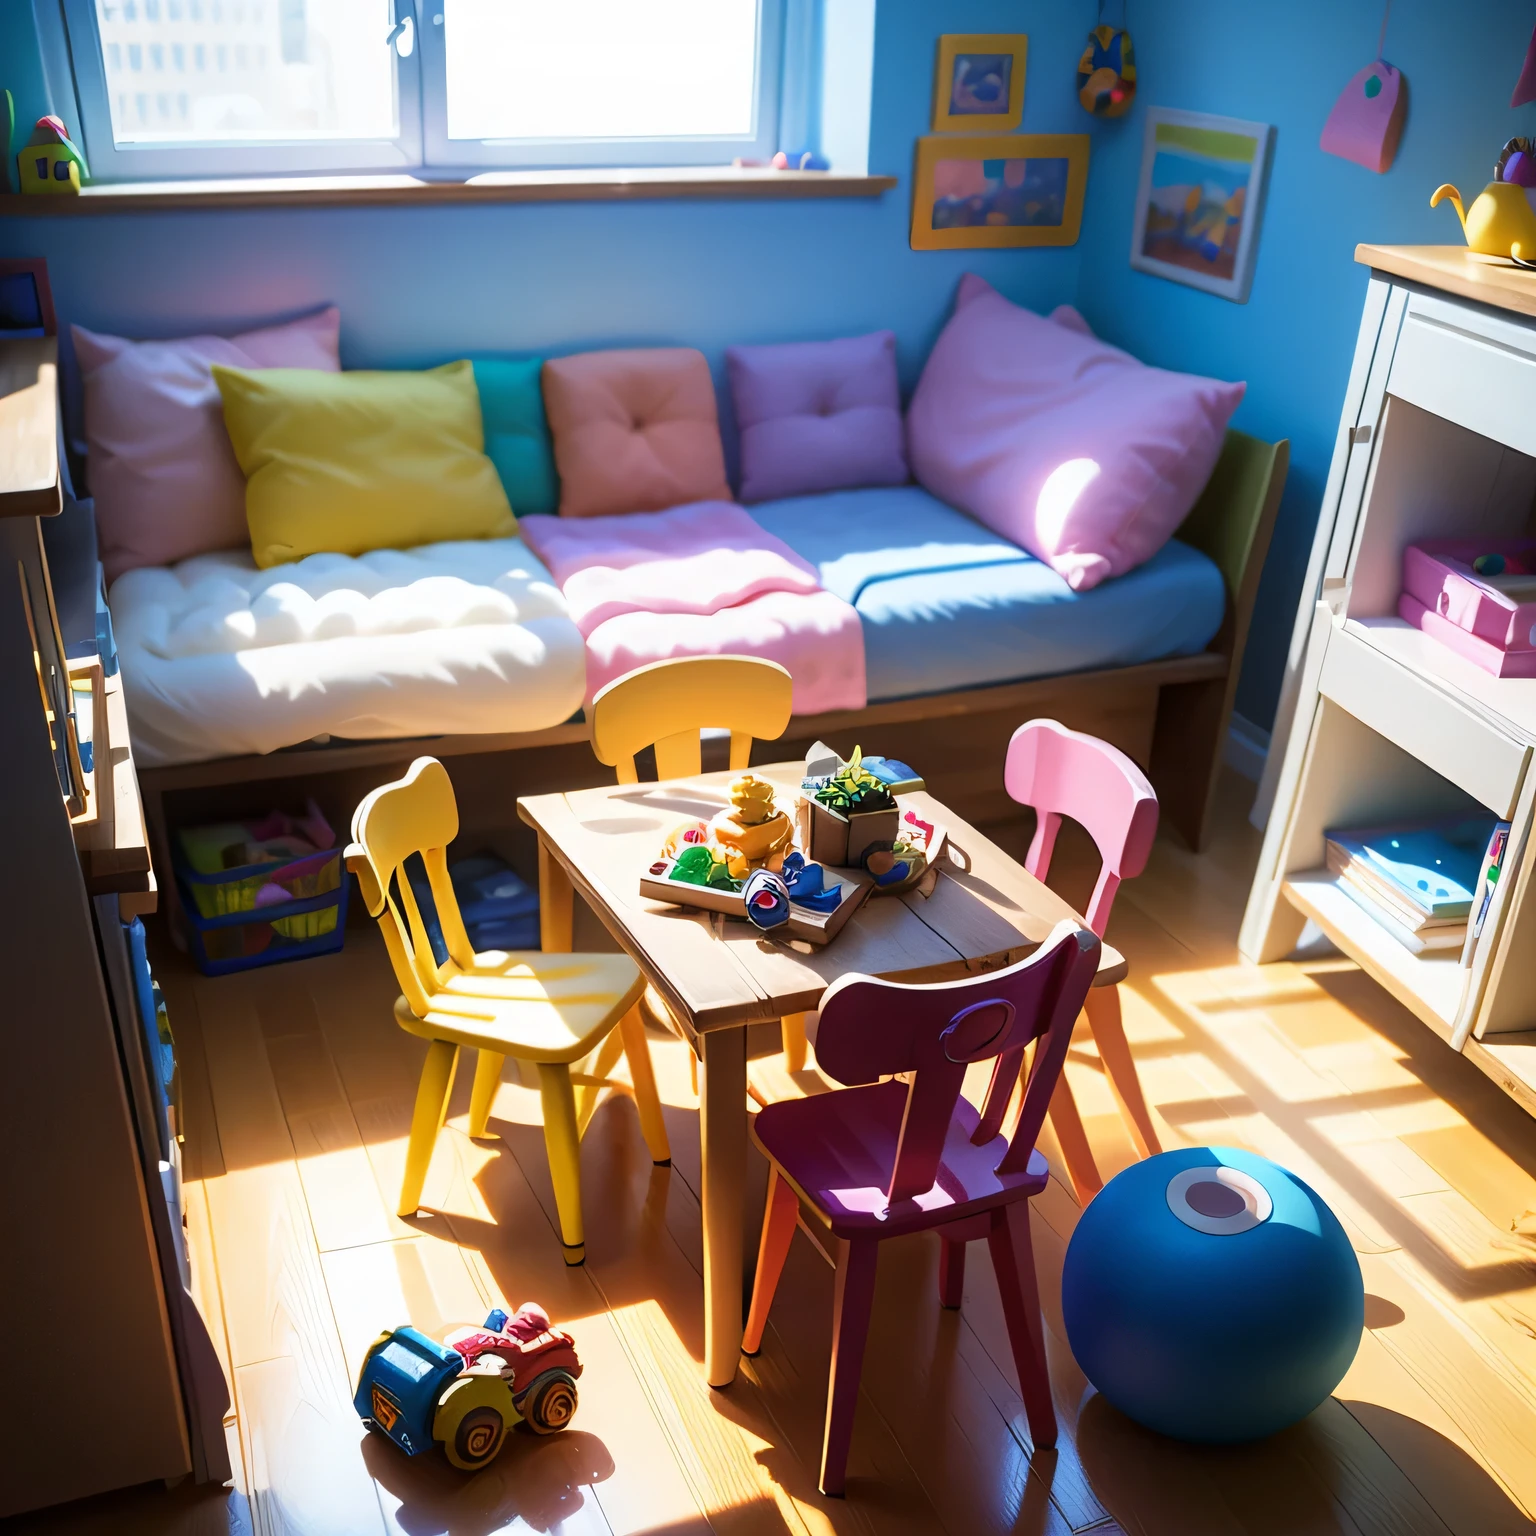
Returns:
<point x="465" y="1393"/>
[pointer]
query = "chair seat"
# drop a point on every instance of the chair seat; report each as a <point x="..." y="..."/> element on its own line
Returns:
<point x="837" y="1150"/>
<point x="535" y="1006"/>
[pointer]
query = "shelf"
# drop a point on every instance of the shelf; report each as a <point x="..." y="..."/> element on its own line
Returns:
<point x="1454" y="269"/>
<point x="1431" y="988"/>
<point x="1507" y="703"/>
<point x="565" y="186"/>
<point x="1510" y="1060"/>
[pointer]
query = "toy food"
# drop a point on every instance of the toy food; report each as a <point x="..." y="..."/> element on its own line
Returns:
<point x="467" y="1391"/>
<point x="754" y="826"/>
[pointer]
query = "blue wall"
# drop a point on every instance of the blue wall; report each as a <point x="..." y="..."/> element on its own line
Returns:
<point x="421" y="285"/>
<point x="1293" y="340"/>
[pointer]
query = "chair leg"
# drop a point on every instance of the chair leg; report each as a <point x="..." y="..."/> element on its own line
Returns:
<point x="772" y="1250"/>
<point x="562" y="1146"/>
<point x="427" y="1119"/>
<point x="588" y="1093"/>
<point x="1013" y="1260"/>
<point x="853" y="1299"/>
<point x="1104" y="1019"/>
<point x="637" y="1052"/>
<point x="795" y="1043"/>
<point x="483" y="1095"/>
<point x="1068" y="1123"/>
<point x="951" y="1272"/>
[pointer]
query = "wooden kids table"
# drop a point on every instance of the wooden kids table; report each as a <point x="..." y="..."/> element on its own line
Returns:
<point x="719" y="975"/>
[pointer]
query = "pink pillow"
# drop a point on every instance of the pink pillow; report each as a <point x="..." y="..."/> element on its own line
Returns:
<point x="634" y="431"/>
<point x="1058" y="441"/>
<point x="818" y="416"/>
<point x="161" y="468"/>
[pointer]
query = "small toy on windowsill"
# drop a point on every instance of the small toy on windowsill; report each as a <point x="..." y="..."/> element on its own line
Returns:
<point x="465" y="1393"/>
<point x="51" y="163"/>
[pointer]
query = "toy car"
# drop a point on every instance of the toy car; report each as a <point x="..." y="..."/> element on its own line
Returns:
<point x="466" y="1392"/>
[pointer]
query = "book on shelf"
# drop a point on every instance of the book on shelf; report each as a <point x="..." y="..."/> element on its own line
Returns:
<point x="1483" y="891"/>
<point x="1421" y="882"/>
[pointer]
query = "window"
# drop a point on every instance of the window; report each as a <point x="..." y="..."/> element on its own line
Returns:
<point x="455" y="86"/>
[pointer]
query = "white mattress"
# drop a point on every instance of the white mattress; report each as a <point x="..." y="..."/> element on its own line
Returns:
<point x="221" y="659"/>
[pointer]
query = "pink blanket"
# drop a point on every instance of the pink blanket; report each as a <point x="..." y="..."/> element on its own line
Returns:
<point x="700" y="580"/>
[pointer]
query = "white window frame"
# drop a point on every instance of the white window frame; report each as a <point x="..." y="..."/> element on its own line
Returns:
<point x="527" y="154"/>
<point x="422" y="144"/>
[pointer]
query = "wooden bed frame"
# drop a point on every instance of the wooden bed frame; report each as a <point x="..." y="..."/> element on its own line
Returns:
<point x="1170" y="716"/>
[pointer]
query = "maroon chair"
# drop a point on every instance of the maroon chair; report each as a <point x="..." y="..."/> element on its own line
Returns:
<point x="877" y="1161"/>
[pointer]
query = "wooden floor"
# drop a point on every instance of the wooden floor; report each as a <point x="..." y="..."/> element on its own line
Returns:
<point x="297" y="1093"/>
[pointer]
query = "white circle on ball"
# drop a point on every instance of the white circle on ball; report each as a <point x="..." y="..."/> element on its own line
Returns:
<point x="1219" y="1201"/>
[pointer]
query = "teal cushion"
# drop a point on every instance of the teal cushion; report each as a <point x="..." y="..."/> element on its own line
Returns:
<point x="516" y="433"/>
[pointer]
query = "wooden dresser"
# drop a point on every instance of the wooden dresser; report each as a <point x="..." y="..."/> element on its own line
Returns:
<point x="1379" y="722"/>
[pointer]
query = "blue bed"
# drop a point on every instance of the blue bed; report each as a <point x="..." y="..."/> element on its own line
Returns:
<point x="906" y="561"/>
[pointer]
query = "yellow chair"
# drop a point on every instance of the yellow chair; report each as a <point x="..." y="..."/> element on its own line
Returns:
<point x="550" y="1010"/>
<point x="665" y="705"/>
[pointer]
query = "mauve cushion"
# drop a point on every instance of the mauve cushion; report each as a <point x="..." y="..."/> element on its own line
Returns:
<point x="634" y="431"/>
<point x="1058" y="441"/>
<point x="161" y="468"/>
<point x="818" y="416"/>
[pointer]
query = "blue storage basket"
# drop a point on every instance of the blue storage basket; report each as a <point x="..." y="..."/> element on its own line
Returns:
<point x="291" y="930"/>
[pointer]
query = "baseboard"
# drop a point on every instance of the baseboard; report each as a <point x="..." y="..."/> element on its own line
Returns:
<point x="1246" y="749"/>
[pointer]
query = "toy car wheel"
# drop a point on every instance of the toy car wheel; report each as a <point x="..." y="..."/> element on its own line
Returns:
<point x="471" y="1420"/>
<point x="550" y="1402"/>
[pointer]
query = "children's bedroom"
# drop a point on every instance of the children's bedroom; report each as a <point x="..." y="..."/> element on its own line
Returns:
<point x="768" y="767"/>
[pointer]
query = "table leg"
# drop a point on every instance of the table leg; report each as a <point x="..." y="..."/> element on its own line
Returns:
<point x="723" y="1134"/>
<point x="557" y="903"/>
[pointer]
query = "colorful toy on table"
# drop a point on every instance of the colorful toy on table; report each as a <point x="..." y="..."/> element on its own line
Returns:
<point x="51" y="163"/>
<point x="1476" y="597"/>
<point x="465" y="1393"/>
<point x="766" y="898"/>
<point x="807" y="884"/>
<point x="1242" y="1307"/>
<point x="1501" y="220"/>
<point x="906" y="861"/>
<point x="844" y="811"/>
<point x="754" y="829"/>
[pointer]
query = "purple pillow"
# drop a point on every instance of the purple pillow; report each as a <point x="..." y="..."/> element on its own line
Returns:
<point x="1058" y="441"/>
<point x="161" y="468"/>
<point x="818" y="416"/>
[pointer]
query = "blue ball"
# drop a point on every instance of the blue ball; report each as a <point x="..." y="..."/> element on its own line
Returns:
<point x="1212" y="1296"/>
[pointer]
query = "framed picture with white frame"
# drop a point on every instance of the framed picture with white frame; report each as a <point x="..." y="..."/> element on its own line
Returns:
<point x="1200" y="201"/>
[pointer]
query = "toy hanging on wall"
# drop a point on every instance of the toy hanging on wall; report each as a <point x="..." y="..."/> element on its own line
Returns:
<point x="51" y="163"/>
<point x="1525" y="86"/>
<point x="1106" y="73"/>
<point x="1367" y="119"/>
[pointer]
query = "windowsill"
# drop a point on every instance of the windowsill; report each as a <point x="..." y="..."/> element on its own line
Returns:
<point x="559" y="186"/>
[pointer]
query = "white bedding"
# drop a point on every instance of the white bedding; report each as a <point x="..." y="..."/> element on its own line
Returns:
<point x="221" y="659"/>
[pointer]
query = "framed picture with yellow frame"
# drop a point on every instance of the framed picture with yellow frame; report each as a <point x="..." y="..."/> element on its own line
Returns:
<point x="980" y="84"/>
<point x="1001" y="190"/>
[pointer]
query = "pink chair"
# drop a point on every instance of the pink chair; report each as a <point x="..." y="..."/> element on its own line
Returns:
<point x="1065" y="773"/>
<point x="889" y="1158"/>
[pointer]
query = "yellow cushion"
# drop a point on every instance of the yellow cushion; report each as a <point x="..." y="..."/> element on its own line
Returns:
<point x="348" y="462"/>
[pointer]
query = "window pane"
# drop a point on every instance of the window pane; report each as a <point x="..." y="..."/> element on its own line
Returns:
<point x="231" y="71"/>
<point x="532" y="69"/>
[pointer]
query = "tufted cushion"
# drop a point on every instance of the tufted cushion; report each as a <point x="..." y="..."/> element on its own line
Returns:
<point x="818" y="416"/>
<point x="635" y="431"/>
<point x="1058" y="441"/>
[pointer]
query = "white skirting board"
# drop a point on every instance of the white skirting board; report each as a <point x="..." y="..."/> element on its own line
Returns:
<point x="1247" y="748"/>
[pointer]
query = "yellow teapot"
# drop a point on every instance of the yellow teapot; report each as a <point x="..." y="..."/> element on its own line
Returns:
<point x="1500" y="222"/>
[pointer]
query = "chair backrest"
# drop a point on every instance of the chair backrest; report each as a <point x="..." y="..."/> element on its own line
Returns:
<point x="417" y="814"/>
<point x="870" y="1029"/>
<point x="668" y="703"/>
<point x="1065" y="773"/>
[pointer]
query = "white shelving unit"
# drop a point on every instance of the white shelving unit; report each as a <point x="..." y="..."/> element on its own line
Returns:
<point x="1380" y="722"/>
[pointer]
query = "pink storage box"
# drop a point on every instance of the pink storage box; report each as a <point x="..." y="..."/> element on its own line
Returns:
<point x="1491" y="620"/>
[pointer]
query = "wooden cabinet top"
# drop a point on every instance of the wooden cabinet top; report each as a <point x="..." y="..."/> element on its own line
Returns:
<point x="1454" y="269"/>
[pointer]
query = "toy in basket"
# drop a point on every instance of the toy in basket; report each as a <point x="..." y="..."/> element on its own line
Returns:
<point x="744" y="862"/>
<point x="465" y="1393"/>
<point x="255" y="892"/>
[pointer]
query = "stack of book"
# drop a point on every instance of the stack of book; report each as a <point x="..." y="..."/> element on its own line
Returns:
<point x="1428" y="884"/>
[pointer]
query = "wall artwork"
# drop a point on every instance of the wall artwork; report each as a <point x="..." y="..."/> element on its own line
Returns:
<point x="1367" y="119"/>
<point x="1201" y="200"/>
<point x="1019" y="189"/>
<point x="980" y="84"/>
